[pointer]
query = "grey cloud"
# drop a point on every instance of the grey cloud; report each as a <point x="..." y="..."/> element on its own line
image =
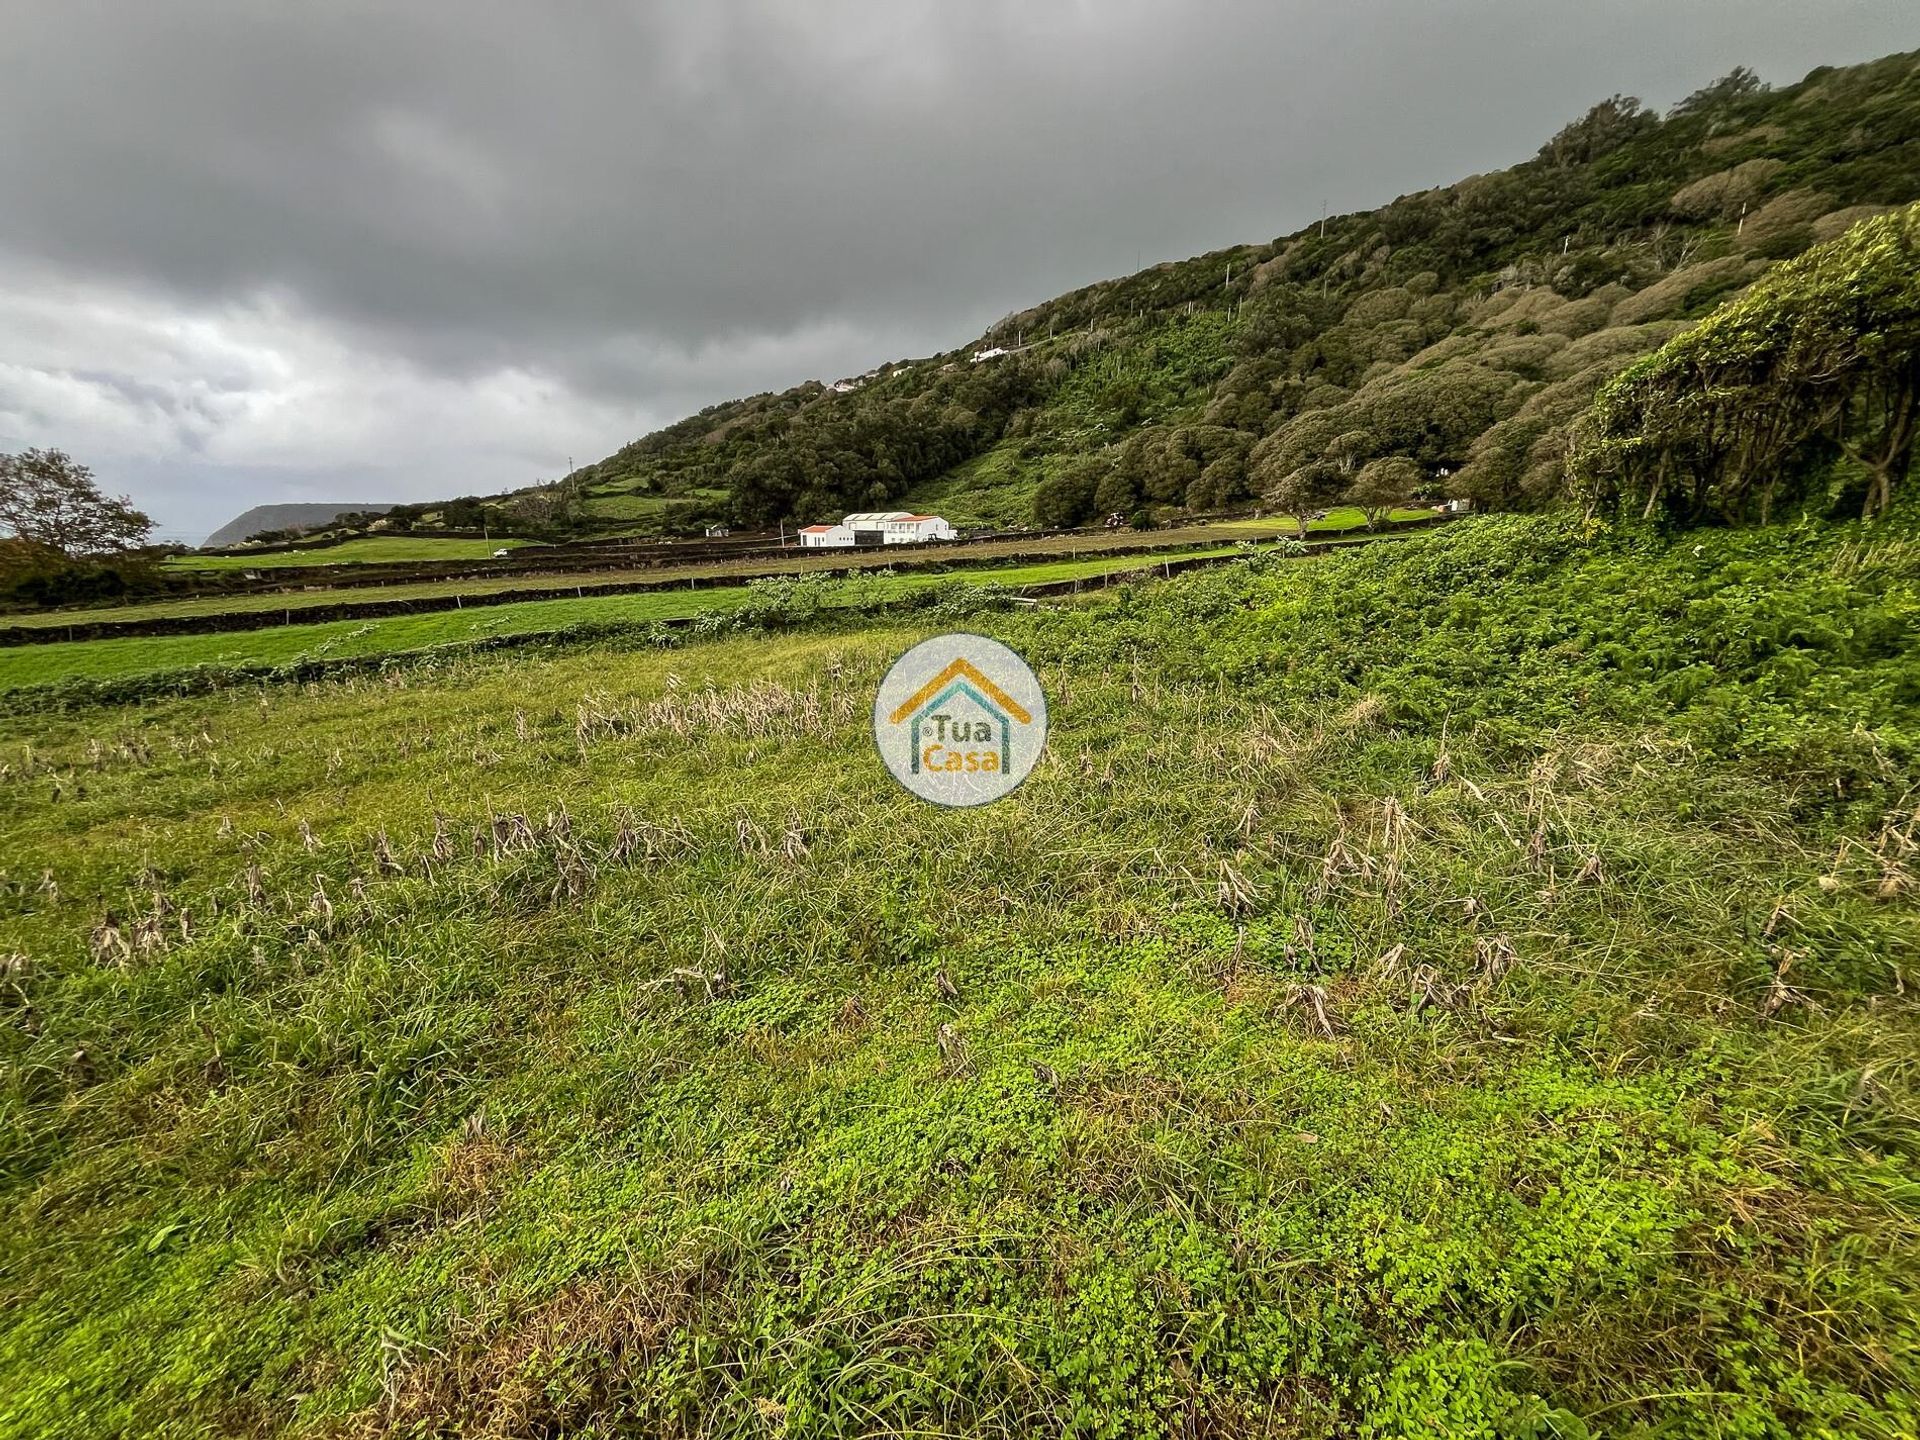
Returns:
<point x="661" y="206"/>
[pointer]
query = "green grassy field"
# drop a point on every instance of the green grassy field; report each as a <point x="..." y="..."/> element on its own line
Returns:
<point x="48" y="664"/>
<point x="360" y="550"/>
<point x="1456" y="988"/>
<point x="1337" y="522"/>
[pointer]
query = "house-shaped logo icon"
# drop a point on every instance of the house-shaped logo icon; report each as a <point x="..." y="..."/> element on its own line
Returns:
<point x="961" y="688"/>
<point x="960" y="720"/>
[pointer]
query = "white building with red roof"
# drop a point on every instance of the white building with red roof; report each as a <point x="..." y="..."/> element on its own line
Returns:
<point x="821" y="537"/>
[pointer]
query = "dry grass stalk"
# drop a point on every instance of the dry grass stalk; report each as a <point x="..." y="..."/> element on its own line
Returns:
<point x="714" y="983"/>
<point x="1493" y="957"/>
<point x="1780" y="994"/>
<point x="1236" y="893"/>
<point x="385" y="862"/>
<point x="1313" y="999"/>
<point x="108" y="943"/>
<point x="955" y="1058"/>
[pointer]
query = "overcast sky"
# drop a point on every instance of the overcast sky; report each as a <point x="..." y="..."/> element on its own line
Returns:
<point x="382" y="251"/>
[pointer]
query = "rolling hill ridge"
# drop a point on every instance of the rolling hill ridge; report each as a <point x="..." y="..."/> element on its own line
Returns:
<point x="1456" y="330"/>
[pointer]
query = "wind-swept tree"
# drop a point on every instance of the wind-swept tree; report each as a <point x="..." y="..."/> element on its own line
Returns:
<point x="1731" y="418"/>
<point x="1383" y="484"/>
<point x="1350" y="450"/>
<point x="1601" y="131"/>
<point x="1305" y="488"/>
<point x="1739" y="83"/>
<point x="50" y="500"/>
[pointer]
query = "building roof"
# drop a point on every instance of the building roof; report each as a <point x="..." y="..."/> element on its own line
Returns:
<point x="817" y="529"/>
<point x="874" y="517"/>
<point x="916" y="519"/>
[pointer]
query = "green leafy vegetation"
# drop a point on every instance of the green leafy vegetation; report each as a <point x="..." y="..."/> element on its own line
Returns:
<point x="1461" y="987"/>
<point x="1750" y="409"/>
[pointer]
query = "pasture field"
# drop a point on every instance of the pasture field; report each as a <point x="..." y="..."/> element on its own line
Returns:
<point x="1463" y="987"/>
<point x="1172" y="542"/>
<point x="359" y="550"/>
<point x="618" y="502"/>
<point x="1341" y="521"/>
<point x="118" y="658"/>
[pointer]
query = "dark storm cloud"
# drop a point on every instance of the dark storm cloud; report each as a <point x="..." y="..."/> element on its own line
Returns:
<point x="653" y="207"/>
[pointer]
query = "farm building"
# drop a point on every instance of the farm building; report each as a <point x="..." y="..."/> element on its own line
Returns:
<point x="911" y="529"/>
<point x="897" y="527"/>
<point x="878" y="527"/>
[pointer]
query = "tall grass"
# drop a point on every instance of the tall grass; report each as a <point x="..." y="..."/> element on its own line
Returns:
<point x="601" y="1041"/>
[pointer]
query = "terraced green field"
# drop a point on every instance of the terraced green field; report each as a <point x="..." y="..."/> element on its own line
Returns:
<point x="1340" y="522"/>
<point x="110" y="659"/>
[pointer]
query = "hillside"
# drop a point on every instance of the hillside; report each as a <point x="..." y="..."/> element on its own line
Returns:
<point x="262" y="518"/>
<point x="1461" y="987"/>
<point x="1455" y="330"/>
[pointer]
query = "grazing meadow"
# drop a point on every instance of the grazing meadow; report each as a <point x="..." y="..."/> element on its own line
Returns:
<point x="49" y="666"/>
<point x="1456" y="987"/>
<point x="354" y="550"/>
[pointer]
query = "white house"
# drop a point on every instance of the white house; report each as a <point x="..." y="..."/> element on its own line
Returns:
<point x="992" y="352"/>
<point x="869" y="527"/>
<point x="911" y="529"/>
<point x="896" y="527"/>
<point x="820" y="537"/>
